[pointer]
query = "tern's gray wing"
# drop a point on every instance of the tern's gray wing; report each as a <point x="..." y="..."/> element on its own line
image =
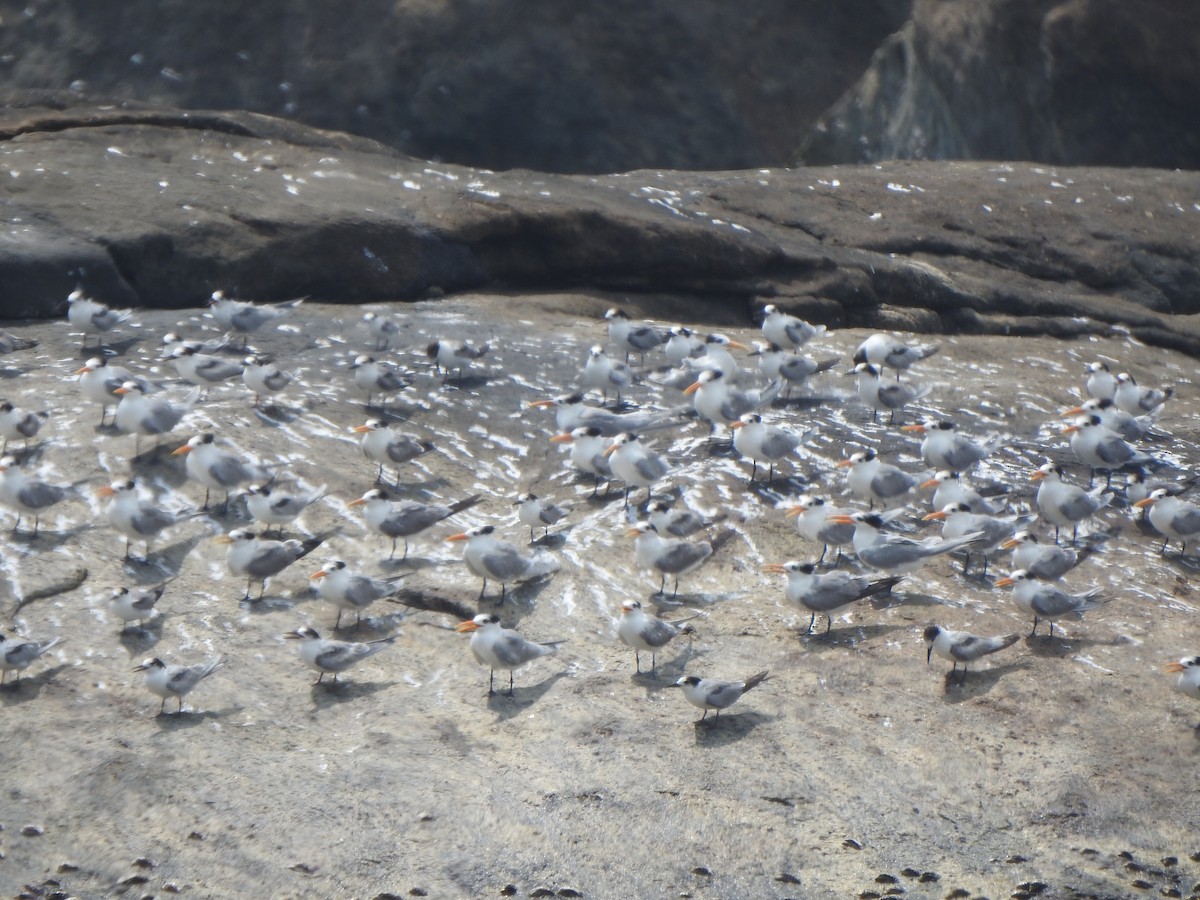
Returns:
<point x="1114" y="451"/>
<point x="962" y="454"/>
<point x="336" y="656"/>
<point x="161" y="416"/>
<point x="550" y="514"/>
<point x="216" y="369"/>
<point x="683" y="522"/>
<point x="1186" y="519"/>
<point x="514" y="650"/>
<point x="404" y="448"/>
<point x="39" y="495"/>
<point x="651" y="467"/>
<point x="720" y="694"/>
<point x="504" y="562"/>
<point x="271" y="559"/>
<point x="891" y="482"/>
<point x="644" y="338"/>
<point x="678" y="558"/>
<point x="1050" y="602"/>
<point x="146" y="600"/>
<point x="229" y="471"/>
<point x="657" y="633"/>
<point x="836" y="533"/>
<point x="20" y="655"/>
<point x="364" y="591"/>
<point x="970" y="647"/>
<point x="148" y="520"/>
<point x="409" y="518"/>
<point x="778" y="444"/>
<point x="1051" y="563"/>
<point x="249" y="318"/>
<point x="894" y="396"/>
<point x="797" y="368"/>
<point x="288" y="505"/>
<point x="1078" y="505"/>
<point x="737" y="404"/>
<point x="106" y="319"/>
<point x="600" y="465"/>
<point x="181" y="679"/>
<point x="833" y="591"/>
<point x="893" y="552"/>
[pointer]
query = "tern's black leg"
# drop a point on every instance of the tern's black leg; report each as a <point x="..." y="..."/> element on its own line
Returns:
<point x="1035" y="625"/>
<point x="405" y="549"/>
<point x="828" y="623"/>
<point x="483" y="589"/>
<point x="492" y="683"/>
<point x="824" y="550"/>
<point x="753" y="469"/>
<point x="1051" y="628"/>
<point x="637" y="661"/>
<point x="812" y="619"/>
<point x="510" y="682"/>
<point x="392" y="555"/>
<point x="503" y="591"/>
<point x="627" y="496"/>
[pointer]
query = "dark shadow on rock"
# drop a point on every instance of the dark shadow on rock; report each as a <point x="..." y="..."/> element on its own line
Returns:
<point x="978" y="681"/>
<point x="728" y="728"/>
<point x="189" y="718"/>
<point x="667" y="671"/>
<point x="44" y="539"/>
<point x="108" y="347"/>
<point x="850" y="636"/>
<point x="164" y="563"/>
<point x="268" y="603"/>
<point x="138" y="640"/>
<point x="273" y="415"/>
<point x="552" y="541"/>
<point x="1042" y="644"/>
<point x="523" y="593"/>
<point x="433" y="603"/>
<point x="465" y="382"/>
<point x="29" y="686"/>
<point x="371" y="628"/>
<point x="329" y="693"/>
<point x="522" y="698"/>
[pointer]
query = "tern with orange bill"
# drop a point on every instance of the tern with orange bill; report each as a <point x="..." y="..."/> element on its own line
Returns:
<point x="1188" y="682"/>
<point x="1174" y="518"/>
<point x="405" y="518"/>
<point x="502" y="648"/>
<point x="645" y="633"/>
<point x="329" y="657"/>
<point x="826" y="593"/>
<point x="1047" y="601"/>
<point x="488" y="557"/>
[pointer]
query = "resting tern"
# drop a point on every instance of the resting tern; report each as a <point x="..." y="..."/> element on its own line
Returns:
<point x="263" y="377"/>
<point x="16" y="654"/>
<point x="139" y="415"/>
<point x="327" y="656"/>
<point x="891" y="397"/>
<point x="244" y="317"/>
<point x="258" y="560"/>
<point x="889" y="352"/>
<point x="99" y="380"/>
<point x="962" y="646"/>
<point x="214" y="468"/>
<point x="957" y="520"/>
<point x="135" y="518"/>
<point x="602" y="374"/>
<point x="167" y="681"/>
<point x="786" y="330"/>
<point x="875" y="481"/>
<point x="201" y="369"/>
<point x="828" y="592"/>
<point x="135" y="605"/>
<point x="1138" y="401"/>
<point x="588" y="446"/>
<point x="92" y="316"/>
<point x="382" y="329"/>
<point x="572" y="412"/>
<point x="405" y="518"/>
<point x="271" y="506"/>
<point x="10" y="343"/>
<point x="1175" y="519"/>
<point x="676" y="522"/>
<point x="944" y="448"/>
<point x="351" y="591"/>
<point x="631" y="337"/>
<point x="646" y="633"/>
<point x="1048" y="601"/>
<point x="709" y="693"/>
<point x="682" y="345"/>
<point x="1188" y="670"/>
<point x="1131" y="428"/>
<point x="385" y="445"/>
<point x="893" y="553"/>
<point x="18" y="424"/>
<point x="537" y="513"/>
<point x="1100" y="448"/>
<point x="486" y="556"/>
<point x="375" y="377"/>
<point x="1047" y="562"/>
<point x="1100" y="383"/>
<point x="29" y="496"/>
<point x="793" y="368"/>
<point x="634" y="464"/>
<point x="502" y="648"/>
<point x="950" y="488"/>
<point x="717" y="356"/>
<point x="457" y="356"/>
<point x="718" y="402"/>
<point x="763" y="443"/>
<point x="1063" y="504"/>
<point x="210" y="346"/>
<point x="813" y="521"/>
<point x="667" y="556"/>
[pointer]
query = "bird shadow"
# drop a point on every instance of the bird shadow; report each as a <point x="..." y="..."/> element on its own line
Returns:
<point x="721" y="731"/>
<point x="465" y="382"/>
<point x="190" y="718"/>
<point x="977" y="683"/>
<point x="893" y="598"/>
<point x="273" y="415"/>
<point x="411" y="562"/>
<point x="523" y="593"/>
<point x="506" y="705"/>
<point x="29" y="687"/>
<point x="45" y="539"/>
<point x="850" y="636"/>
<point x="267" y="603"/>
<point x="1059" y="647"/>
<point x="108" y="349"/>
<point x="665" y="674"/>
<point x="139" y="639"/>
<point x="164" y="563"/>
<point x="415" y="599"/>
<point x="331" y="693"/>
<point x="370" y="628"/>
<point x="552" y="541"/>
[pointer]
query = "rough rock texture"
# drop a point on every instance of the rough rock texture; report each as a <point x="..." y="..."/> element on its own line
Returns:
<point x="1082" y="82"/>
<point x="159" y="208"/>
<point x="549" y="85"/>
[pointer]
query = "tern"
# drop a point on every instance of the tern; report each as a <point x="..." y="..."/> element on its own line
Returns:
<point x="263" y="377"/>
<point x="376" y="377"/>
<point x="666" y="519"/>
<point x="786" y="330"/>
<point x="1100" y="383"/>
<point x="1048" y="601"/>
<point x="634" y="464"/>
<point x="271" y="506"/>
<point x="139" y="415"/>
<point x="718" y="402"/>
<point x="18" y="424"/>
<point x="456" y="356"/>
<point x="405" y="518"/>
<point x="135" y="518"/>
<point x="502" y="648"/>
<point x="793" y="368"/>
<point x="16" y="654"/>
<point x="537" y="513"/>
<point x="645" y="633"/>
<point x="889" y="352"/>
<point x="30" y="496"/>
<point x="210" y="346"/>
<point x="11" y="343"/>
<point x="169" y="681"/>
<point x="1100" y="448"/>
<point x="1048" y="562"/>
<point x="1174" y="518"/>
<point x="1063" y="504"/>
<point x="813" y="521"/>
<point x="588" y="446"/>
<point x="571" y="412"/>
<point x="763" y="443"/>
<point x="891" y="397"/>
<point x="950" y="488"/>
<point x="382" y="329"/>
<point x="351" y="591"/>
<point x="245" y="317"/>
<point x="1188" y="682"/>
<point x="602" y="374"/>
<point x="717" y="356"/>
<point x="709" y="693"/>
<point x="385" y="445"/>
<point x="944" y="448"/>
<point x="875" y="481"/>
<point x="214" y="468"/>
<point x="1137" y="401"/>
<point x="683" y="344"/>
<point x="327" y="656"/>
<point x="135" y="605"/>
<point x="826" y="593"/>
<point x="486" y="556"/>
<point x="957" y="520"/>
<point x="631" y="337"/>
<point x="92" y="316"/>
<point x="257" y="560"/>
<point x="893" y="553"/>
<point x="1131" y="428"/>
<point x="99" y="380"/>
<point x="201" y="369"/>
<point x="667" y="556"/>
<point x="962" y="647"/>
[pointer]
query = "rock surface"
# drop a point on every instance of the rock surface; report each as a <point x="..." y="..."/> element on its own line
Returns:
<point x="1081" y="82"/>
<point x="160" y="208"/>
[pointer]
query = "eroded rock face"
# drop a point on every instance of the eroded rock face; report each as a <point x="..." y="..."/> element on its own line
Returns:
<point x="1083" y="82"/>
<point x="160" y="208"/>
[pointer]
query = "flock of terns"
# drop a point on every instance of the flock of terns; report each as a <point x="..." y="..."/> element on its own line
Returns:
<point x="610" y="445"/>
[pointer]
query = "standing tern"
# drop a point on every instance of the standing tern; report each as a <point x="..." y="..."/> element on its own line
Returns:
<point x="1175" y="519"/>
<point x="448" y="356"/>
<point x="793" y="368"/>
<point x="709" y="693"/>
<point x="667" y="556"/>
<point x="662" y="514"/>
<point x="99" y="380"/>
<point x="890" y="397"/>
<point x="135" y="518"/>
<point x="717" y="356"/>
<point x="382" y="329"/>
<point x="351" y="591"/>
<point x="763" y="443"/>
<point x="385" y="445"/>
<point x="214" y="468"/>
<point x="949" y="487"/>
<point x="537" y="513"/>
<point x="17" y="424"/>
<point x="602" y="374"/>
<point x="787" y="330"/>
<point x="682" y="345"/>
<point x="263" y="377"/>
<point x="1131" y="428"/>
<point x="631" y="337"/>
<point x="1047" y="562"/>
<point x="486" y="556"/>
<point x="1048" y="601"/>
<point x="327" y="656"/>
<point x="634" y="464"/>
<point x="376" y="377"/>
<point x="135" y="604"/>
<point x="944" y="448"/>
<point x="502" y="648"/>
<point x="271" y="506"/>
<point x="213" y="345"/>
<point x="244" y="317"/>
<point x="405" y="518"/>
<point x="962" y="647"/>
<point x="1188" y="682"/>
<point x="891" y="552"/>
<point x="30" y="496"/>
<point x="1102" y="449"/>
<point x="201" y="369"/>
<point x="645" y="633"/>
<point x="826" y="593"/>
<point x="957" y="520"/>
<point x="889" y="352"/>
<point x="257" y="560"/>
<point x="1137" y="401"/>
<point x="169" y="681"/>
<point x="92" y="316"/>
<point x="1100" y="383"/>
<point x="813" y="520"/>
<point x="718" y="402"/>
<point x="588" y="446"/>
<point x="875" y="481"/>
<point x="139" y="415"/>
<point x="1062" y="504"/>
<point x="16" y="655"/>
